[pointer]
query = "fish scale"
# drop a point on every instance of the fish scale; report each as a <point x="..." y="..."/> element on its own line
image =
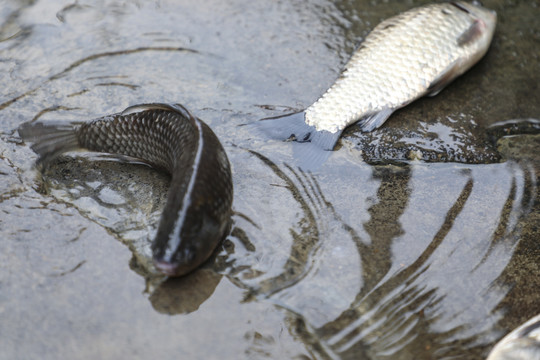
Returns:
<point x="402" y="70"/>
<point x="133" y="136"/>
<point x="408" y="56"/>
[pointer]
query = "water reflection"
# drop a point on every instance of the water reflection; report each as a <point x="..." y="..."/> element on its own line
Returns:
<point x="306" y="237"/>
<point x="91" y="58"/>
<point x="96" y="185"/>
<point x="422" y="273"/>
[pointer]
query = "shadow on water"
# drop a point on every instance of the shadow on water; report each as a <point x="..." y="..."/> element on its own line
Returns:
<point x="184" y="295"/>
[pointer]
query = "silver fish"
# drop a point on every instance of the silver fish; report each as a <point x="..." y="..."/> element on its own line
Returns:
<point x="405" y="57"/>
<point x="168" y="137"/>
<point x="521" y="344"/>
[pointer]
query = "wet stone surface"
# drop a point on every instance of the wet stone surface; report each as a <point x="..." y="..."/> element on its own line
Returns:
<point x="417" y="241"/>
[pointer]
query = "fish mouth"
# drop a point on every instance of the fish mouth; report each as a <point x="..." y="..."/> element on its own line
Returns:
<point x="166" y="268"/>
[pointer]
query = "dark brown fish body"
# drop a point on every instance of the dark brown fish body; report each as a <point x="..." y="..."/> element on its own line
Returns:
<point x="167" y="137"/>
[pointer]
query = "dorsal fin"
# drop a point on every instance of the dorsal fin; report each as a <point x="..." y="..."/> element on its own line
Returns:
<point x="158" y="106"/>
<point x="144" y="107"/>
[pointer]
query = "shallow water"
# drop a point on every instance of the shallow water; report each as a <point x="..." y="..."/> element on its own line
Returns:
<point x="368" y="257"/>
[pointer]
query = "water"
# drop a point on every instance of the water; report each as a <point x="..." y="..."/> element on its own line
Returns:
<point x="369" y="257"/>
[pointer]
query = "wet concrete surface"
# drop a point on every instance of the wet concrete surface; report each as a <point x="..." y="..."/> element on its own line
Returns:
<point x="371" y="256"/>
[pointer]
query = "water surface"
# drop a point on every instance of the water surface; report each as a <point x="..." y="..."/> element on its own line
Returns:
<point x="372" y="256"/>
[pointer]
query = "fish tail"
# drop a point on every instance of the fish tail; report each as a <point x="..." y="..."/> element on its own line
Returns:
<point x="310" y="157"/>
<point x="294" y="127"/>
<point x="50" y="139"/>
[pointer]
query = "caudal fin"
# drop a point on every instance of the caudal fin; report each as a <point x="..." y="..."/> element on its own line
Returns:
<point x="50" y="139"/>
<point x="294" y="127"/>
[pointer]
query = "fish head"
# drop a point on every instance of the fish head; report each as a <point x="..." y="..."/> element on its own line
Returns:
<point x="188" y="248"/>
<point x="478" y="12"/>
<point x="482" y="27"/>
<point x="473" y="38"/>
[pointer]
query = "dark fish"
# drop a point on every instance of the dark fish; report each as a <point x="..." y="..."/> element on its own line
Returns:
<point x="168" y="137"/>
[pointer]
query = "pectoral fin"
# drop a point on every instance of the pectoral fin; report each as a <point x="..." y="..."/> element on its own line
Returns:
<point x="375" y="120"/>
<point x="471" y="34"/>
<point x="178" y="108"/>
<point x="144" y="107"/>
